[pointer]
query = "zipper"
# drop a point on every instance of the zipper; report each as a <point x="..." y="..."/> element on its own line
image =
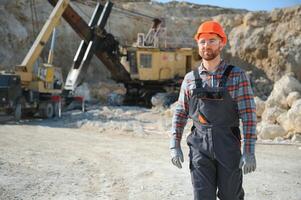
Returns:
<point x="209" y="131"/>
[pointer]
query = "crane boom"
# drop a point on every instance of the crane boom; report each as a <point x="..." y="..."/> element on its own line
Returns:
<point x="43" y="37"/>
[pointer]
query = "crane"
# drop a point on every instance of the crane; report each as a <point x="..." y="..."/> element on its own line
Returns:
<point x="31" y="88"/>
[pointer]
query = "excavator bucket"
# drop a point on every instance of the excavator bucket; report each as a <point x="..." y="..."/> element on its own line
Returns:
<point x="90" y="33"/>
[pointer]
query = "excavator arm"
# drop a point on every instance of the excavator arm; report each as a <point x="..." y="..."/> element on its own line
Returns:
<point x="87" y="33"/>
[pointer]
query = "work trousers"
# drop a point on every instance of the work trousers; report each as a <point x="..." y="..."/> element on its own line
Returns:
<point x="214" y="173"/>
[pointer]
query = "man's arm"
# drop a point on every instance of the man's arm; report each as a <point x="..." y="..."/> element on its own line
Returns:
<point x="178" y="124"/>
<point x="181" y="112"/>
<point x="247" y="112"/>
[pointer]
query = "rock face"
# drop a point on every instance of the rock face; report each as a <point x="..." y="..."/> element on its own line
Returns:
<point x="266" y="44"/>
<point x="282" y="111"/>
<point x="270" y="41"/>
<point x="281" y="90"/>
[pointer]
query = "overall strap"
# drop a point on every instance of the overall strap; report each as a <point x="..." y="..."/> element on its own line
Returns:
<point x="225" y="76"/>
<point x="198" y="80"/>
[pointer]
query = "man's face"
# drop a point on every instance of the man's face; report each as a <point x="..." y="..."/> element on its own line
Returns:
<point x="210" y="47"/>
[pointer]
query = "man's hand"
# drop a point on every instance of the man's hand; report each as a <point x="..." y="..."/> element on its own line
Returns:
<point x="247" y="163"/>
<point x="176" y="152"/>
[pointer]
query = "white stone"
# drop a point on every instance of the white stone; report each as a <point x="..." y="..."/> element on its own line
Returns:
<point x="292" y="97"/>
<point x="84" y="91"/>
<point x="294" y="115"/>
<point x="296" y="138"/>
<point x="171" y="110"/>
<point x="104" y="89"/>
<point x="270" y="114"/>
<point x="259" y="127"/>
<point x="260" y="106"/>
<point x="271" y="131"/>
<point x="127" y="127"/>
<point x="282" y="88"/>
<point x="285" y="122"/>
<point x="278" y="139"/>
<point x="158" y="99"/>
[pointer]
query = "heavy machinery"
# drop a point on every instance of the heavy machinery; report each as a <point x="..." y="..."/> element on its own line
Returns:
<point x="146" y="69"/>
<point x="32" y="88"/>
<point x="97" y="43"/>
<point x="39" y="89"/>
<point x="155" y="67"/>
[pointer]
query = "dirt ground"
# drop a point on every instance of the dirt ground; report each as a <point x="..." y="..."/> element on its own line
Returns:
<point x="103" y="155"/>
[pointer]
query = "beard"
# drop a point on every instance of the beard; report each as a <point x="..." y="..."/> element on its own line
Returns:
<point x="209" y="54"/>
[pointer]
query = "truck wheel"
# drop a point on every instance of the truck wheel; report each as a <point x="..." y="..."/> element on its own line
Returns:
<point x="57" y="109"/>
<point x="18" y="111"/>
<point x="46" y="110"/>
<point x="49" y="111"/>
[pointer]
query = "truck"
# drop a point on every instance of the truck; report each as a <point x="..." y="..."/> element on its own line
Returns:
<point x="31" y="88"/>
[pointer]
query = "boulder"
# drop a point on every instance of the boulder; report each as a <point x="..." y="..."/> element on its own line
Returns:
<point x="259" y="126"/>
<point x="285" y="122"/>
<point x="271" y="131"/>
<point x="260" y="106"/>
<point x="115" y="99"/>
<point x="292" y="97"/>
<point x="278" y="139"/>
<point x="106" y="91"/>
<point x="281" y="90"/>
<point x="296" y="138"/>
<point x="270" y="115"/>
<point x="84" y="91"/>
<point x="170" y="112"/>
<point x="294" y="115"/>
<point x="158" y="99"/>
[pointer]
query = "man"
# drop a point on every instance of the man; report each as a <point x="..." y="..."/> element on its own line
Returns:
<point x="215" y="96"/>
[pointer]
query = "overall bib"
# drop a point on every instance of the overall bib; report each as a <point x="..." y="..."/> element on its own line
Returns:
<point x="214" y="142"/>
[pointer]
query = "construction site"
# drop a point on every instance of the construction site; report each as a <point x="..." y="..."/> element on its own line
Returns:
<point x="88" y="91"/>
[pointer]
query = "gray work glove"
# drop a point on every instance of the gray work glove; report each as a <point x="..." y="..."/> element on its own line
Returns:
<point x="176" y="152"/>
<point x="247" y="163"/>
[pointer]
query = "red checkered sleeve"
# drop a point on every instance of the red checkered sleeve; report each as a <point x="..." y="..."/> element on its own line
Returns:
<point x="180" y="116"/>
<point x="247" y="112"/>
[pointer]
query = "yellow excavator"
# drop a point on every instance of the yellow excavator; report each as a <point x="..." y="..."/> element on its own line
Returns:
<point x="156" y="66"/>
<point x="145" y="70"/>
<point x="33" y="88"/>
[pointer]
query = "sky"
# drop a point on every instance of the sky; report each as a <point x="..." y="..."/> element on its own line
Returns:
<point x="252" y="5"/>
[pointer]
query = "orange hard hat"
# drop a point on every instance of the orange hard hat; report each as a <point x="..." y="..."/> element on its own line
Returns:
<point x="211" y="27"/>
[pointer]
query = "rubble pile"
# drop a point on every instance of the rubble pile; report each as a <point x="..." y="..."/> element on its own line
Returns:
<point x="280" y="115"/>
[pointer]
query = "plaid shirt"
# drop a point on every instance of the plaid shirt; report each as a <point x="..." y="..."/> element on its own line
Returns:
<point x="240" y="90"/>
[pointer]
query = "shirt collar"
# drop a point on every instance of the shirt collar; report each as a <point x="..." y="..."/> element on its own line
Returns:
<point x="220" y="69"/>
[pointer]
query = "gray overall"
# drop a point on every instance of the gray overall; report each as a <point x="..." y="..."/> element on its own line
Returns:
<point x="215" y="145"/>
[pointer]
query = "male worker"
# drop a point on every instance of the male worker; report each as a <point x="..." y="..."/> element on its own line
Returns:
<point x="215" y="96"/>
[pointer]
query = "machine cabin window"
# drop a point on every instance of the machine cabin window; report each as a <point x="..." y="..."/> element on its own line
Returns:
<point x="145" y="60"/>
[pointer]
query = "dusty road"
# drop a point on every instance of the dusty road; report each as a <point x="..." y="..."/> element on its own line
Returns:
<point x="49" y="160"/>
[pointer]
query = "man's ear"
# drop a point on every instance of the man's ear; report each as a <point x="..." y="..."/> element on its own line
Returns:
<point x="221" y="46"/>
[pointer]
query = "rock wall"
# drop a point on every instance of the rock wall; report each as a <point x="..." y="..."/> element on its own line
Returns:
<point x="279" y="116"/>
<point x="266" y="44"/>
